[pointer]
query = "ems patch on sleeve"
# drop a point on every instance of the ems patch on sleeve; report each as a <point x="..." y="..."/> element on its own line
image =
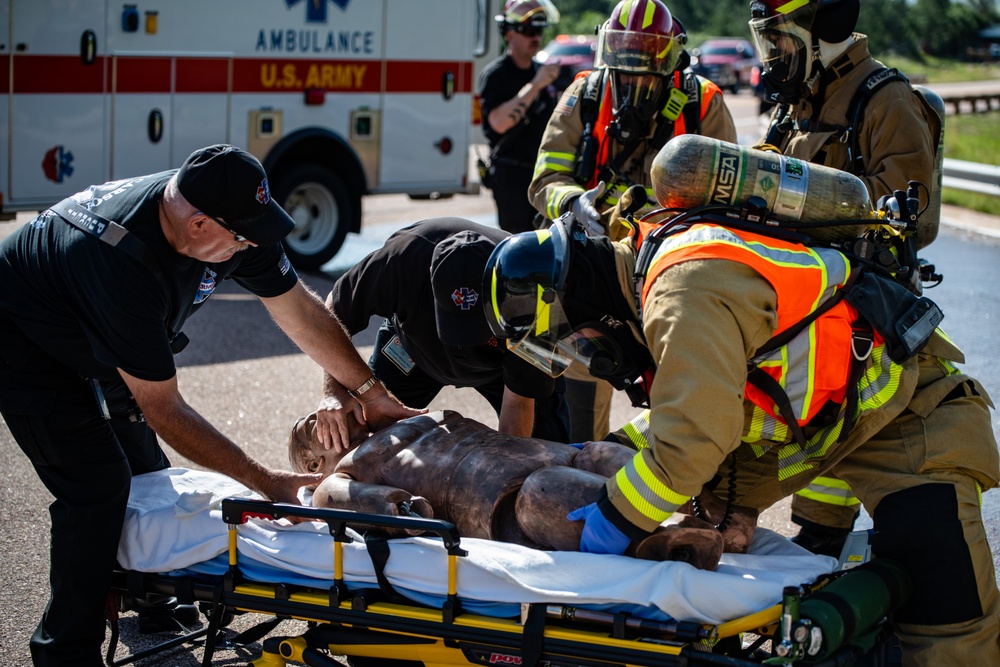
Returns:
<point x="566" y="104"/>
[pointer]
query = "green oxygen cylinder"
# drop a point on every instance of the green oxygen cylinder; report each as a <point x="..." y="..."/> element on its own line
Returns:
<point x="855" y="603"/>
<point x="692" y="171"/>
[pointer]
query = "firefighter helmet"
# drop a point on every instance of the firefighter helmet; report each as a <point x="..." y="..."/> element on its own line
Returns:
<point x="641" y="46"/>
<point x="555" y="299"/>
<point x="787" y="34"/>
<point x="529" y="17"/>
<point x="525" y="280"/>
<point x="641" y="37"/>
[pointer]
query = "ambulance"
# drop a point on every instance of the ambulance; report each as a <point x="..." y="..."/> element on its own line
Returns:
<point x="337" y="98"/>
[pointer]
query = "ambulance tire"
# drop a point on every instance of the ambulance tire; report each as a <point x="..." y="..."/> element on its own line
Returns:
<point x="318" y="200"/>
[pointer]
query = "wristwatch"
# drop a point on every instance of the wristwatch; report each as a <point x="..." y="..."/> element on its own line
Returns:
<point x="360" y="391"/>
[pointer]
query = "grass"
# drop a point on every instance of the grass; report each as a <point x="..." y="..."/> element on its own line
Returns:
<point x="937" y="70"/>
<point x="973" y="137"/>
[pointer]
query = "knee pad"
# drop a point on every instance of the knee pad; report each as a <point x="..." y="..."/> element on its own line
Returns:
<point x="920" y="529"/>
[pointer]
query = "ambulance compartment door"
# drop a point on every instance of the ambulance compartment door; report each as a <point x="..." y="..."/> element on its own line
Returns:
<point x="58" y="81"/>
<point x="426" y="96"/>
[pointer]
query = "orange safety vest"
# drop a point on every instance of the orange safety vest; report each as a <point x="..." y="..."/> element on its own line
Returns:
<point x="706" y="90"/>
<point x="814" y="366"/>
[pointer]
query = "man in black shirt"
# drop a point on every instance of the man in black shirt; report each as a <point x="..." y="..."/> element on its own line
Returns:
<point x="427" y="281"/>
<point x="95" y="292"/>
<point x="517" y="99"/>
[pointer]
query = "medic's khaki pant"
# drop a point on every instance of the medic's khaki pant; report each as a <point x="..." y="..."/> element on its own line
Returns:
<point x="589" y="402"/>
<point x="921" y="479"/>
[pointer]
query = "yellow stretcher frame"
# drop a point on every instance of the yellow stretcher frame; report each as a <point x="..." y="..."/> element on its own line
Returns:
<point x="371" y="628"/>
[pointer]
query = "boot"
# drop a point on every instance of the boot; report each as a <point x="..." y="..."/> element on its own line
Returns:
<point x="160" y="613"/>
<point x="822" y="540"/>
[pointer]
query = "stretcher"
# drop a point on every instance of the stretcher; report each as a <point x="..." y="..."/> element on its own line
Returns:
<point x="436" y="599"/>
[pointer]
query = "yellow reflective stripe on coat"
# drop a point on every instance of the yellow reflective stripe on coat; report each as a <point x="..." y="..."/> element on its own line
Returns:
<point x="645" y="492"/>
<point x="829" y="491"/>
<point x="553" y="161"/>
<point x="877" y="385"/>
<point x="557" y="202"/>
<point x="638" y="431"/>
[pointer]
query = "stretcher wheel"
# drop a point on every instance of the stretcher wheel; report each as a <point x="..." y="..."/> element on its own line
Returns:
<point x="227" y="615"/>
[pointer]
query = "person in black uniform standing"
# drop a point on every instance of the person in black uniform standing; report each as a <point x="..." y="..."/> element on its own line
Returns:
<point x="95" y="292"/>
<point x="517" y="98"/>
<point x="427" y="281"/>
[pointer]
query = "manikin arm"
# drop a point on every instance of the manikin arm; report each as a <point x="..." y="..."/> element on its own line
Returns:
<point x="340" y="491"/>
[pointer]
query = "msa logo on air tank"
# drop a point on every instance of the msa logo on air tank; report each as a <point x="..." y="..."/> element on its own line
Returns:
<point x="726" y="177"/>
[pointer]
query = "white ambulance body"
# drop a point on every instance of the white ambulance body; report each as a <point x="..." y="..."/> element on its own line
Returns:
<point x="338" y="98"/>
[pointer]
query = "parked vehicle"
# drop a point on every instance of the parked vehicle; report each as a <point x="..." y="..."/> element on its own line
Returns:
<point x="575" y="54"/>
<point x="337" y="99"/>
<point x="728" y="61"/>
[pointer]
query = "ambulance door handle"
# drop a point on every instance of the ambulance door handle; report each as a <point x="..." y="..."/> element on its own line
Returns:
<point x="448" y="84"/>
<point x="154" y="126"/>
<point x="88" y="47"/>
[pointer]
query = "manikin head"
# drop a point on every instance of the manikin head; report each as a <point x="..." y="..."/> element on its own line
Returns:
<point x="796" y="39"/>
<point x="306" y="453"/>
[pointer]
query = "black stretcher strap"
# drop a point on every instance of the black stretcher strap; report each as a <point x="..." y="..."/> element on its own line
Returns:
<point x="533" y="635"/>
<point x="378" y="551"/>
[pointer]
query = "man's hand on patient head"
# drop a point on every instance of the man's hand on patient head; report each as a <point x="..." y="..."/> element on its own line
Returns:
<point x="383" y="409"/>
<point x="340" y="425"/>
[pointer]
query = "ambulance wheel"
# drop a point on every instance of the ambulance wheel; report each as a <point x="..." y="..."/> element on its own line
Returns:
<point x="319" y="202"/>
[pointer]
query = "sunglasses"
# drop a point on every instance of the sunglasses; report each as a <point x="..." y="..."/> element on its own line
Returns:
<point x="239" y="237"/>
<point x="529" y="30"/>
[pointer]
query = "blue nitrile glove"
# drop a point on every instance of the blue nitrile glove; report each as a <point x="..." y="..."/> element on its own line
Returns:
<point x="600" y="536"/>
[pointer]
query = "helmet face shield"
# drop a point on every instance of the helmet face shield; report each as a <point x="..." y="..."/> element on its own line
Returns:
<point x="552" y="349"/>
<point x="541" y="344"/>
<point x="638" y="52"/>
<point x="784" y="42"/>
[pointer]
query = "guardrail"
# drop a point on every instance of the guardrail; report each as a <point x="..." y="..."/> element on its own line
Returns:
<point x="971" y="176"/>
<point x="973" y="103"/>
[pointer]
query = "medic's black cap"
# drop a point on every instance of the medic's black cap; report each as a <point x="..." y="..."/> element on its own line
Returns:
<point x="457" y="267"/>
<point x="228" y="183"/>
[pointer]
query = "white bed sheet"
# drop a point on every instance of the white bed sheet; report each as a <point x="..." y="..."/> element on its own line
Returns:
<point x="173" y="524"/>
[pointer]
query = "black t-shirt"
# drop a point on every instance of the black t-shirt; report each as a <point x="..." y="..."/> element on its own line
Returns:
<point x="95" y="307"/>
<point x="500" y="81"/>
<point x="395" y="282"/>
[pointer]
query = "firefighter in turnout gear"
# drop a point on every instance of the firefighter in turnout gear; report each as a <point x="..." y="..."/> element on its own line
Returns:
<point x="911" y="435"/>
<point x="819" y="71"/>
<point x="603" y="136"/>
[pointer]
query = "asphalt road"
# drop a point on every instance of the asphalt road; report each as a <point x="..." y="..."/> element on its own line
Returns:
<point x="248" y="379"/>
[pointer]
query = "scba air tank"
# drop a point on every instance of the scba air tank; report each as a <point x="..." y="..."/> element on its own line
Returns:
<point x="692" y="171"/>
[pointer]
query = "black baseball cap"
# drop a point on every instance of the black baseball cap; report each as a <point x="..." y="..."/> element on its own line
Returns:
<point x="457" y="267"/>
<point x="228" y="183"/>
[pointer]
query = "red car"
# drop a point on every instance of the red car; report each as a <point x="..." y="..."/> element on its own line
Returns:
<point x="728" y="61"/>
<point x="575" y="54"/>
